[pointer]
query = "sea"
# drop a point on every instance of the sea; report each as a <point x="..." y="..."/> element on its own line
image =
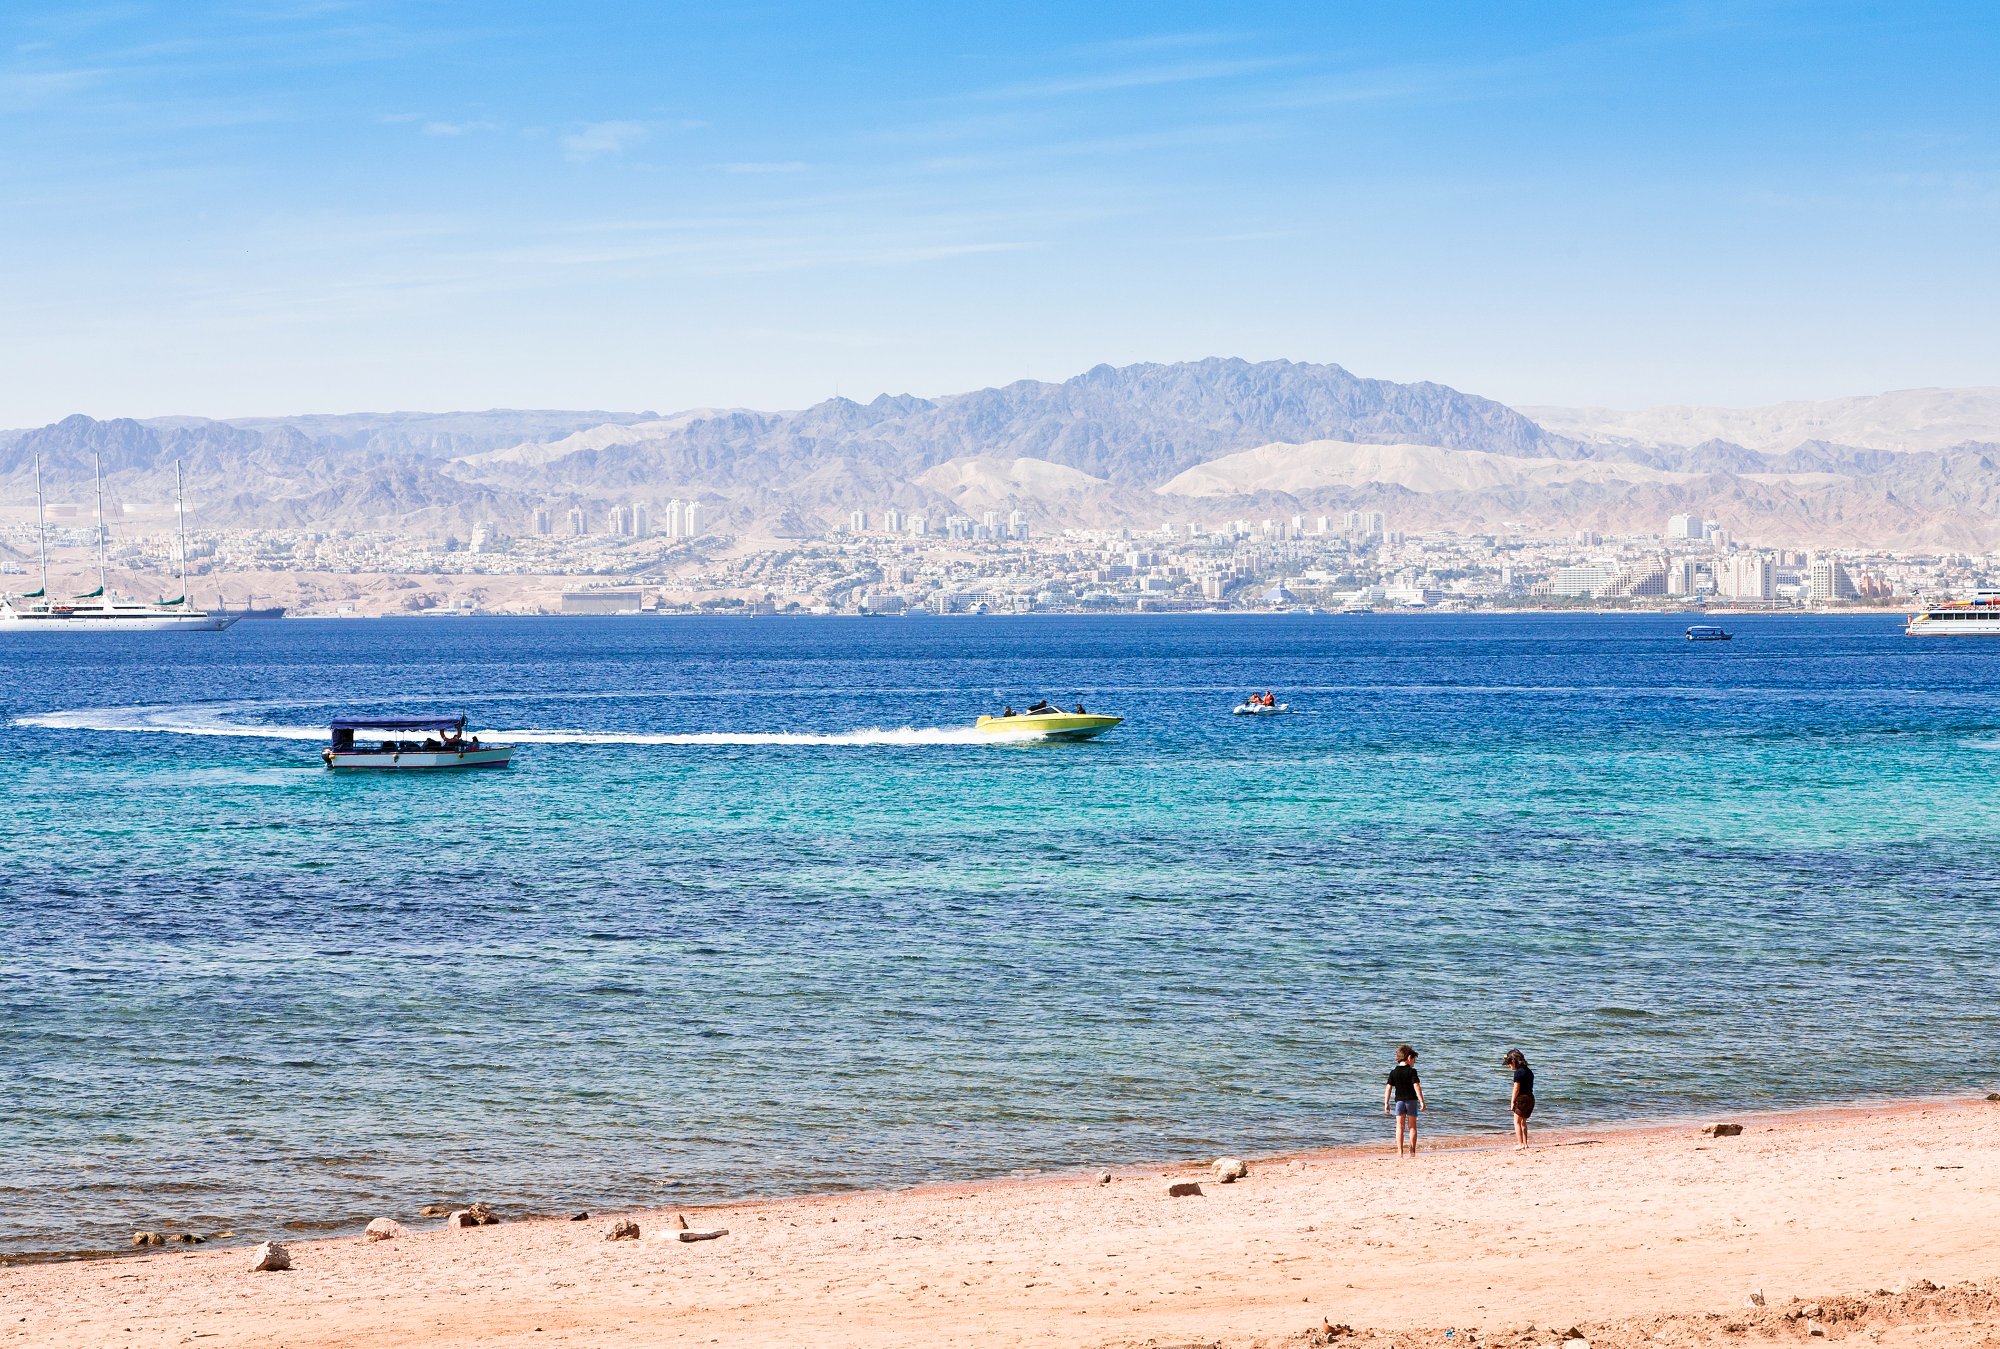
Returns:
<point x="754" y="912"/>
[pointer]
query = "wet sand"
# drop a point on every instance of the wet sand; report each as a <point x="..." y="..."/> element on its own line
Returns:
<point x="1843" y="1219"/>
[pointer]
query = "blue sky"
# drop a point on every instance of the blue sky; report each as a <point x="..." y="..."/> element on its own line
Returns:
<point x="274" y="206"/>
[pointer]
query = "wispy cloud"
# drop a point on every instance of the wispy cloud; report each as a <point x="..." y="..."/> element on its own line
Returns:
<point x="1139" y="77"/>
<point x="458" y="128"/>
<point x="758" y="166"/>
<point x="600" y="140"/>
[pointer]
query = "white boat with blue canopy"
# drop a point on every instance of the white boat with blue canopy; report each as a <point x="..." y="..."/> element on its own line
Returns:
<point x="409" y="744"/>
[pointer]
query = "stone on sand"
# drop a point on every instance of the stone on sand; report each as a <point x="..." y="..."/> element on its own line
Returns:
<point x="1229" y="1169"/>
<point x="461" y="1218"/>
<point x="383" y="1229"/>
<point x="1184" y="1189"/>
<point x="624" y="1229"/>
<point x="271" y="1255"/>
<point x="1722" y="1130"/>
<point x="1756" y="1298"/>
<point x="149" y="1239"/>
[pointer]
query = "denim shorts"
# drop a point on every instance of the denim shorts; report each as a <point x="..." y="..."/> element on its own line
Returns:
<point x="1404" y="1107"/>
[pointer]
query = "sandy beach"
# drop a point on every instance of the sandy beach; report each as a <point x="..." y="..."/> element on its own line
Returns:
<point x="1873" y="1222"/>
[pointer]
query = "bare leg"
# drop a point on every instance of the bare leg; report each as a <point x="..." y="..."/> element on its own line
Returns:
<point x="1413" y="1134"/>
<point x="1520" y="1132"/>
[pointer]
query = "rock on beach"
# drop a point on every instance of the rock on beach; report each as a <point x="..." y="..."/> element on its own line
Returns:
<point x="383" y="1229"/>
<point x="272" y="1255"/>
<point x="622" y="1230"/>
<point x="1184" y="1189"/>
<point x="1230" y="1169"/>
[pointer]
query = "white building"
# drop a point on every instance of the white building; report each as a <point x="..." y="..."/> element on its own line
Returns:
<point x="1683" y="526"/>
<point x="578" y="526"/>
<point x="1017" y="525"/>
<point x="1681" y="576"/>
<point x="641" y="520"/>
<point x="1827" y="582"/>
<point x="892" y="520"/>
<point x="857" y="523"/>
<point x="1747" y="577"/>
<point x="544" y="522"/>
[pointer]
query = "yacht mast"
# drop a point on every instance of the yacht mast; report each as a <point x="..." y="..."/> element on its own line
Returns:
<point x="42" y="526"/>
<point x="97" y="462"/>
<point x="180" y="505"/>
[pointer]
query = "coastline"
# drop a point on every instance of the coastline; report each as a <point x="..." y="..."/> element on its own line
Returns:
<point x="1639" y="1221"/>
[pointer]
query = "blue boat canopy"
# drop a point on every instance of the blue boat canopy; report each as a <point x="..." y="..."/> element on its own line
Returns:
<point x="399" y="723"/>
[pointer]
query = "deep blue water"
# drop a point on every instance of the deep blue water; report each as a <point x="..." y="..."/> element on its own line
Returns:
<point x="728" y="928"/>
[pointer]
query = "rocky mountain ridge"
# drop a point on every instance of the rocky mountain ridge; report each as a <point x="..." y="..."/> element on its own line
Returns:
<point x="1133" y="445"/>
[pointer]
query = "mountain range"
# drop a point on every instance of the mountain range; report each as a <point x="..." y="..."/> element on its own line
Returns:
<point x="1140" y="444"/>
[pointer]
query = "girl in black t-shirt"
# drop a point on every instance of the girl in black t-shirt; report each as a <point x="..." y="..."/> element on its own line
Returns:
<point x="1403" y="1097"/>
<point x="1522" y="1097"/>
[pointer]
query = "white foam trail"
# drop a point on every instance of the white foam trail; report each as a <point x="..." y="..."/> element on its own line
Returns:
<point x="214" y="721"/>
<point x="165" y="720"/>
<point x="905" y="735"/>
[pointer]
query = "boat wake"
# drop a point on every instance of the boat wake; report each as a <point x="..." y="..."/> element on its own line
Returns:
<point x="216" y="720"/>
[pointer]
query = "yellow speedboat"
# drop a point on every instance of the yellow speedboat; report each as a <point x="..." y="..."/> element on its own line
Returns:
<point x="1050" y="724"/>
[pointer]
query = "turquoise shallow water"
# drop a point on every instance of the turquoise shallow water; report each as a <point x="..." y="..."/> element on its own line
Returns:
<point x="750" y="915"/>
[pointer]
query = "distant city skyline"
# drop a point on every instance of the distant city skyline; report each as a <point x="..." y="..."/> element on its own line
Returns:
<point x="265" y="209"/>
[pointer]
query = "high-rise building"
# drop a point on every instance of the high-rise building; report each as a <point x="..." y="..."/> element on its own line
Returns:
<point x="544" y="523"/>
<point x="1747" y="577"/>
<point x="892" y="520"/>
<point x="1352" y="524"/>
<point x="857" y="523"/>
<point x="1827" y="582"/>
<point x="642" y="522"/>
<point x="1325" y="524"/>
<point x="691" y="520"/>
<point x="919" y="526"/>
<point x="992" y="523"/>
<point x="621" y="521"/>
<point x="1683" y="526"/>
<point x="1373" y="524"/>
<point x="1680" y="576"/>
<point x="1017" y="525"/>
<point x="578" y="526"/>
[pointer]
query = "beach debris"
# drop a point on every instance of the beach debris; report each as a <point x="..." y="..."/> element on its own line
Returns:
<point x="1993" y="1095"/>
<point x="624" y="1229"/>
<point x="1815" y="1328"/>
<point x="1184" y="1189"/>
<point x="272" y="1255"/>
<point x="1722" y="1130"/>
<point x="483" y="1212"/>
<point x="149" y="1238"/>
<point x="1103" y="1177"/>
<point x="1756" y="1298"/>
<point x="582" y="1217"/>
<point x="681" y="1222"/>
<point x="703" y="1236"/>
<point x="1230" y="1169"/>
<point x="188" y="1239"/>
<point x="383" y="1229"/>
<point x="461" y="1218"/>
<point x="436" y="1210"/>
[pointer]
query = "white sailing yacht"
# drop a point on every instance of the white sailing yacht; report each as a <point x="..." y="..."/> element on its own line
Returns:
<point x="100" y="610"/>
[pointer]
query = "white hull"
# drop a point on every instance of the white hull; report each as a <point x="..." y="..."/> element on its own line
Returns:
<point x="1956" y="624"/>
<point x="137" y="618"/>
<point x="1259" y="710"/>
<point x="413" y="760"/>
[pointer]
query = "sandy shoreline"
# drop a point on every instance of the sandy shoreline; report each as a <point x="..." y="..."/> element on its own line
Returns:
<point x="1635" y="1234"/>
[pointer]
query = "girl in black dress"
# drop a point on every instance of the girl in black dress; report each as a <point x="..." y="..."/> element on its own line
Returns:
<point x="1523" y="1096"/>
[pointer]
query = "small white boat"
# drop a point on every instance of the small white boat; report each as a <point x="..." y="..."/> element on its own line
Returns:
<point x="444" y="745"/>
<point x="1261" y="709"/>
